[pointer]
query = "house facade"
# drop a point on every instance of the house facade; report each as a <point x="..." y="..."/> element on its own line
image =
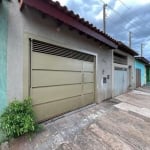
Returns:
<point x="123" y="70"/>
<point x="148" y="74"/>
<point x="57" y="58"/>
<point x="140" y="66"/>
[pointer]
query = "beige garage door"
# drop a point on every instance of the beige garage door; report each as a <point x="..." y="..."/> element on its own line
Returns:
<point x="61" y="80"/>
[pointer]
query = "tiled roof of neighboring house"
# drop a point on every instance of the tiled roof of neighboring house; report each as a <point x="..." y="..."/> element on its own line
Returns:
<point x="148" y="65"/>
<point x="55" y="10"/>
<point x="143" y="60"/>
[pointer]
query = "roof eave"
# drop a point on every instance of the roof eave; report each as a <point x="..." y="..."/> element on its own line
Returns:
<point x="127" y="49"/>
<point x="142" y="59"/>
<point x="45" y="7"/>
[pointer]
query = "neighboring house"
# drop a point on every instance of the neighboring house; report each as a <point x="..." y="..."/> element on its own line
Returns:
<point x="140" y="66"/>
<point x="3" y="54"/>
<point x="123" y="69"/>
<point x="148" y="74"/>
<point x="57" y="58"/>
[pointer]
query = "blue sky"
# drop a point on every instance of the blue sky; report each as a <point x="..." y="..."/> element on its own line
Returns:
<point x="123" y="16"/>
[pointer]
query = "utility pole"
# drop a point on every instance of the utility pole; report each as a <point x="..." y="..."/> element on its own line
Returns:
<point x="142" y="45"/>
<point x="104" y="18"/>
<point x="130" y="41"/>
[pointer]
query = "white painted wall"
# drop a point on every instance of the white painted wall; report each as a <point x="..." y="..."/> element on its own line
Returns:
<point x="14" y="52"/>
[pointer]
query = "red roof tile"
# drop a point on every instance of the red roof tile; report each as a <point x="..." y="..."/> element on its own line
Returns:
<point x="55" y="10"/>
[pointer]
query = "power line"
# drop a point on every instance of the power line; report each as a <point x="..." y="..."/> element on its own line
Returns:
<point x="123" y="18"/>
<point x="123" y="4"/>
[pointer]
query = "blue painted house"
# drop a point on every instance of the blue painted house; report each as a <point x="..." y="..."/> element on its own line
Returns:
<point x="3" y="53"/>
<point x="148" y="74"/>
<point x="140" y="66"/>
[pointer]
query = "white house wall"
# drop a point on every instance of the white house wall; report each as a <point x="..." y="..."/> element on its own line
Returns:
<point x="14" y="52"/>
<point x="131" y="62"/>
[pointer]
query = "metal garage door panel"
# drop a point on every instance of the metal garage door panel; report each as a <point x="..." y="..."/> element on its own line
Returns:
<point x="51" y="62"/>
<point x="88" y="77"/>
<point x="120" y="82"/>
<point x="60" y="83"/>
<point x="88" y="66"/>
<point x="88" y="88"/>
<point x="47" y="94"/>
<point x="125" y="87"/>
<point x="49" y="78"/>
<point x="52" y="109"/>
<point x="87" y="99"/>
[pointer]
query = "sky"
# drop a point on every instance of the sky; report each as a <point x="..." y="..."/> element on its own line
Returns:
<point x="122" y="17"/>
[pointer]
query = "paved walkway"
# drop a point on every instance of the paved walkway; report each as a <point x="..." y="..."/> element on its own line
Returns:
<point x="108" y="126"/>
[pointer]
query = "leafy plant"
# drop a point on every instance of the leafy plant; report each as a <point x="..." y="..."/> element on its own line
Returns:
<point x="18" y="119"/>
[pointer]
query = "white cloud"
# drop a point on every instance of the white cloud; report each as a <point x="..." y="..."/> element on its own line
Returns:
<point x="131" y="23"/>
<point x="62" y="2"/>
<point x="117" y="5"/>
<point x="136" y="2"/>
<point x="99" y="16"/>
<point x="106" y="1"/>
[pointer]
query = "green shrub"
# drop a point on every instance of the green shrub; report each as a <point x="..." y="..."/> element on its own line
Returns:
<point x="18" y="119"/>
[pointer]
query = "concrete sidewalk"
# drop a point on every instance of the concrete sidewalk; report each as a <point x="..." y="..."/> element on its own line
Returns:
<point x="96" y="127"/>
<point x="139" y="97"/>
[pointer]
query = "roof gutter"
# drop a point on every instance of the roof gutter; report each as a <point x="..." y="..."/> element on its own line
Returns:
<point x="142" y="59"/>
<point x="127" y="49"/>
<point x="46" y="7"/>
